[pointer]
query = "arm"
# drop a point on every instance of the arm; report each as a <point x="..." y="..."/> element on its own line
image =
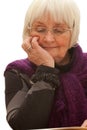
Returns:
<point x="30" y="107"/>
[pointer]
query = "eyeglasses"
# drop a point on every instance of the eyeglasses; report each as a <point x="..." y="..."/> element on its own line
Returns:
<point x="43" y="31"/>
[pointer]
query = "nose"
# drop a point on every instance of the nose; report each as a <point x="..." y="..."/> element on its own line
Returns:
<point x="49" y="37"/>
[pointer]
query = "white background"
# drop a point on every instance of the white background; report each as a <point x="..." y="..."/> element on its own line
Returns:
<point x="12" y="14"/>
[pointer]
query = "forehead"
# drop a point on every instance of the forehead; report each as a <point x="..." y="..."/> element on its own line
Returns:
<point x="47" y="20"/>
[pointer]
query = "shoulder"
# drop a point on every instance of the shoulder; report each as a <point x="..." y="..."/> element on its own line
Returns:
<point x="79" y="53"/>
<point x="85" y="55"/>
<point x="22" y="65"/>
<point x="79" y="60"/>
<point x="85" y="59"/>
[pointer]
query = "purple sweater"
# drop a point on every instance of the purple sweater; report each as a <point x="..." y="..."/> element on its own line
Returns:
<point x="70" y="104"/>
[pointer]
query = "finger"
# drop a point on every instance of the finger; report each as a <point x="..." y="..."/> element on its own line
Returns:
<point x="29" y="49"/>
<point x="34" y="42"/>
<point x="26" y="43"/>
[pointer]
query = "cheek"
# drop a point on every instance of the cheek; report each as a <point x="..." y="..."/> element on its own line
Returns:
<point x="41" y="41"/>
<point x="63" y="46"/>
<point x="63" y="41"/>
<point x="35" y="35"/>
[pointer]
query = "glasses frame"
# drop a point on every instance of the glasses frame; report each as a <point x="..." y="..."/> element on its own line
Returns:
<point x="49" y="29"/>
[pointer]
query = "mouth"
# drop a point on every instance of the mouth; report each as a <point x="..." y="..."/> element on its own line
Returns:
<point x="49" y="47"/>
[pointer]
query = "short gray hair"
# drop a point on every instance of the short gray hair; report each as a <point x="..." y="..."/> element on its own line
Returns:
<point x="61" y="10"/>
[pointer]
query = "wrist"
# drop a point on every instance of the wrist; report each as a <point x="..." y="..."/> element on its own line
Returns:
<point x="47" y="74"/>
<point x="52" y="65"/>
<point x="49" y="64"/>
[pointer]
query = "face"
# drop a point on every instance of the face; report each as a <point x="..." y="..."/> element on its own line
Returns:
<point x="51" y="38"/>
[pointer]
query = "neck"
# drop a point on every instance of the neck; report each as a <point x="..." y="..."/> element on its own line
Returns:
<point x="65" y="60"/>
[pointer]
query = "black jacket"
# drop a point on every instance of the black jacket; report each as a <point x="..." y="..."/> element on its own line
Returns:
<point x="29" y="100"/>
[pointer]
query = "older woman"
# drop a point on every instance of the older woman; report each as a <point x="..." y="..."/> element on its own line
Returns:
<point x="49" y="88"/>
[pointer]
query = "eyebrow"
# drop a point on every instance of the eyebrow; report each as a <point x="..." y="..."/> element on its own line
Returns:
<point x="60" y="25"/>
<point x="39" y="23"/>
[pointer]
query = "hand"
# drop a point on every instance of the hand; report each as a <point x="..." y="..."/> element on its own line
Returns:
<point x="84" y="124"/>
<point x="36" y="53"/>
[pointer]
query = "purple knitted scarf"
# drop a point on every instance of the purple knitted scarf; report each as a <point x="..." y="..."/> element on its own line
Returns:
<point x="23" y="66"/>
<point x="70" y="102"/>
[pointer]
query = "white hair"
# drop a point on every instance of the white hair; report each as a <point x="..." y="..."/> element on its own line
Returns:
<point x="61" y="10"/>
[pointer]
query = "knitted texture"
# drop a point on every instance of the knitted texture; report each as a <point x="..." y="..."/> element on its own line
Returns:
<point x="70" y="101"/>
<point x="70" y="105"/>
<point x="23" y="66"/>
<point x="47" y="74"/>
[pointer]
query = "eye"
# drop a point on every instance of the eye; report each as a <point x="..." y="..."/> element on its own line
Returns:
<point x="58" y="30"/>
<point x="40" y="29"/>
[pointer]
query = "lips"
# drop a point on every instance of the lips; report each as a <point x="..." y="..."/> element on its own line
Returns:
<point x="49" y="46"/>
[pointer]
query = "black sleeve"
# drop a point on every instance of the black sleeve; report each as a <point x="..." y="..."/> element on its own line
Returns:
<point x="29" y="107"/>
